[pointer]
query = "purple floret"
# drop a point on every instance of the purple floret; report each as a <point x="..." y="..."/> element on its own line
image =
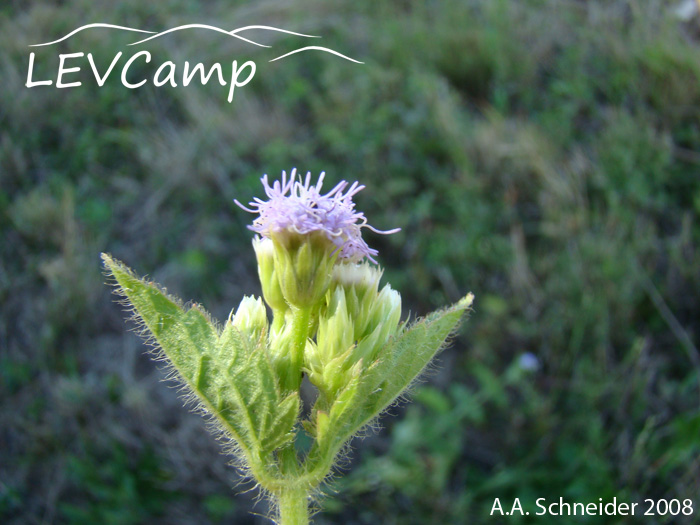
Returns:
<point x="301" y="208"/>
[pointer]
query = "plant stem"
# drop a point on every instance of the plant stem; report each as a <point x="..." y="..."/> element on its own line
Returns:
<point x="293" y="507"/>
<point x="294" y="502"/>
<point x="300" y="333"/>
<point x="277" y="319"/>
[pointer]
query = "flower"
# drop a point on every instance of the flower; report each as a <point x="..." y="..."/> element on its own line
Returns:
<point x="300" y="208"/>
<point x="528" y="362"/>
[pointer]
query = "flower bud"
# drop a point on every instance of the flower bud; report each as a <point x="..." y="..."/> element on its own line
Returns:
<point x="335" y="329"/>
<point x="353" y="327"/>
<point x="250" y="318"/>
<point x="360" y="283"/>
<point x="265" y="254"/>
<point x="281" y="341"/>
<point x="304" y="266"/>
<point x="383" y="321"/>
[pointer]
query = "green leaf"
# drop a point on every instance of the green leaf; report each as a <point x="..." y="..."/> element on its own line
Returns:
<point x="251" y="382"/>
<point x="233" y="379"/>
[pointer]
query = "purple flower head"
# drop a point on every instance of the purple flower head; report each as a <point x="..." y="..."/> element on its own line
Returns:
<point x="302" y="209"/>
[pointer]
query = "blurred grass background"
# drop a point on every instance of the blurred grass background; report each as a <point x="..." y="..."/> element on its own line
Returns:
<point x="543" y="154"/>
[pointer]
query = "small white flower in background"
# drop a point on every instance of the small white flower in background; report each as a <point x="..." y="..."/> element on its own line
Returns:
<point x="528" y="361"/>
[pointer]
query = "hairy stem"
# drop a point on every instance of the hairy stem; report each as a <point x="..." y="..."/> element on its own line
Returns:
<point x="293" y="507"/>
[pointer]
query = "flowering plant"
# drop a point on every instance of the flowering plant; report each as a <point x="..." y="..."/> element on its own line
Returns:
<point x="330" y="322"/>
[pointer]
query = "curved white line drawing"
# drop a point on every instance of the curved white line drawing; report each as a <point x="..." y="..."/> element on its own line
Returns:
<point x="233" y="33"/>
<point x="88" y="26"/>
<point x="198" y="26"/>
<point x="317" y="48"/>
<point x="270" y="28"/>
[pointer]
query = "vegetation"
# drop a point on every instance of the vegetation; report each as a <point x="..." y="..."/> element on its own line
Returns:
<point x="540" y="153"/>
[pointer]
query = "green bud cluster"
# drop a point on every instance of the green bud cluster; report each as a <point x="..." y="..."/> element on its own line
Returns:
<point x="355" y="322"/>
<point x="349" y="316"/>
<point x="295" y="272"/>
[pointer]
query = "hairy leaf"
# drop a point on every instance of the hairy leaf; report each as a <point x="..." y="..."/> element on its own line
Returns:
<point x="232" y="379"/>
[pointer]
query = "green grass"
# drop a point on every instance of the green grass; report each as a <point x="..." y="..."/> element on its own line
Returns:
<point x="541" y="154"/>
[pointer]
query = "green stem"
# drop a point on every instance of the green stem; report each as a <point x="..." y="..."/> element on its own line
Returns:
<point x="277" y="319"/>
<point x="300" y="333"/>
<point x="293" y="507"/>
